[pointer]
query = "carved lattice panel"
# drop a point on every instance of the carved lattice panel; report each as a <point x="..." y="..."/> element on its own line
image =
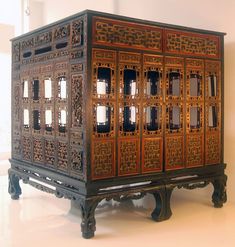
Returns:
<point x="62" y="156"/>
<point x="128" y="157"/>
<point x="50" y="152"/>
<point x="38" y="150"/>
<point x="126" y="34"/>
<point x="26" y="148"/>
<point x="77" y="33"/>
<point x="192" y="44"/>
<point x="16" y="140"/>
<point x="152" y="155"/>
<point x="194" y="150"/>
<point x="213" y="148"/>
<point x="174" y="152"/>
<point x="76" y="85"/>
<point x="15" y="52"/>
<point x="103" y="159"/>
<point x="76" y="161"/>
<point x="61" y="32"/>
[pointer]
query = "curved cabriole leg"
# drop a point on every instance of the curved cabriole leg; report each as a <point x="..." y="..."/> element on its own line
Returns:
<point x="219" y="196"/>
<point x="14" y="187"/>
<point x="163" y="209"/>
<point x="88" y="225"/>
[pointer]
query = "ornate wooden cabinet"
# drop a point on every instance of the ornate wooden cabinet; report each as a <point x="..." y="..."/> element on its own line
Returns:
<point x="108" y="107"/>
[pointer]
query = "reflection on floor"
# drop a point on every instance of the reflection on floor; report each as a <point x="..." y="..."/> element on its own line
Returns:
<point x="41" y="220"/>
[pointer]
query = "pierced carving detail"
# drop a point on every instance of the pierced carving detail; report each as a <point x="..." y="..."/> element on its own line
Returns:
<point x="77" y="32"/>
<point x="76" y="84"/>
<point x="50" y="152"/>
<point x="62" y="156"/>
<point x="37" y="150"/>
<point x="26" y="148"/>
<point x="103" y="159"/>
<point x="120" y="33"/>
<point x="16" y="52"/>
<point x="76" y="161"/>
<point x="128" y="156"/>
<point x="213" y="148"/>
<point x="189" y="43"/>
<point x="152" y="159"/>
<point x="174" y="152"/>
<point x="194" y="149"/>
<point x="62" y="32"/>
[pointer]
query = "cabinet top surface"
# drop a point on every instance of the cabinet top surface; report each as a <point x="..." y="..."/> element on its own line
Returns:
<point x="118" y="17"/>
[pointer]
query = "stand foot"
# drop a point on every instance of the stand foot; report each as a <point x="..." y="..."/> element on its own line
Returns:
<point x="14" y="186"/>
<point x="163" y="209"/>
<point x="88" y="225"/>
<point x="219" y="196"/>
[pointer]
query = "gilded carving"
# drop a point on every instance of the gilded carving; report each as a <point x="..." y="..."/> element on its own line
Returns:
<point x="37" y="150"/>
<point x="77" y="88"/>
<point x="213" y="148"/>
<point x="194" y="150"/>
<point x="77" y="33"/>
<point x="62" y="156"/>
<point x="128" y="156"/>
<point x="103" y="159"/>
<point x="76" y="161"/>
<point x="126" y="34"/>
<point x="152" y="159"/>
<point x="62" y="32"/>
<point x="191" y="43"/>
<point x="43" y="38"/>
<point x="174" y="148"/>
<point x="26" y="148"/>
<point x="50" y="152"/>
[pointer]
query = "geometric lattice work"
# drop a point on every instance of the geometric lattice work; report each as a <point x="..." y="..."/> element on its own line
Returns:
<point x="194" y="153"/>
<point x="213" y="149"/>
<point x="121" y="34"/>
<point x="152" y="160"/>
<point x="179" y="42"/>
<point x="37" y="150"/>
<point x="128" y="156"/>
<point x="49" y="152"/>
<point x="76" y="161"/>
<point x="103" y="159"/>
<point x="26" y="150"/>
<point x="76" y="84"/>
<point x="174" y="152"/>
<point x="62" y="156"/>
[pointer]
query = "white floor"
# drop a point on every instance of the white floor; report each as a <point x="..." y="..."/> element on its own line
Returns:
<point x="41" y="220"/>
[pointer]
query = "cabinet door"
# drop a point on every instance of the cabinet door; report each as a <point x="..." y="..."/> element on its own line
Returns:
<point x="194" y="148"/>
<point x="174" y="120"/>
<point x="129" y="103"/>
<point x="213" y="151"/>
<point x="153" y="108"/>
<point x="103" y="114"/>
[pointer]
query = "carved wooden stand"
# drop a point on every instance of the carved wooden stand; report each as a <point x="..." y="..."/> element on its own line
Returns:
<point x="160" y="189"/>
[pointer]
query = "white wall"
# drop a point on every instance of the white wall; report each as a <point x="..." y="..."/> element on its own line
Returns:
<point x="206" y="14"/>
